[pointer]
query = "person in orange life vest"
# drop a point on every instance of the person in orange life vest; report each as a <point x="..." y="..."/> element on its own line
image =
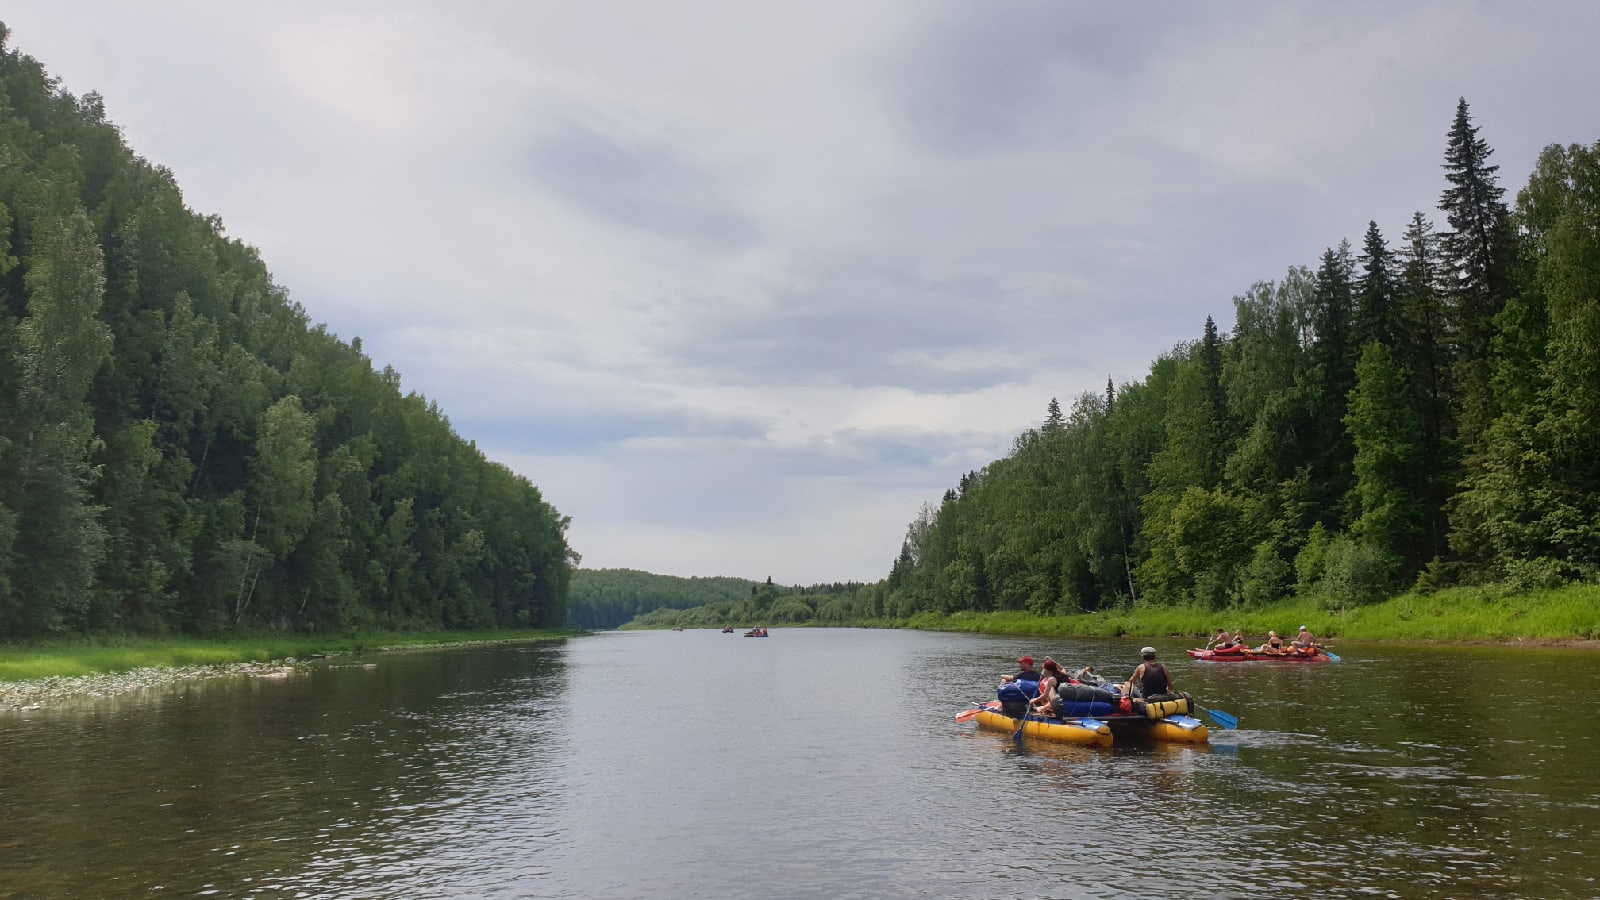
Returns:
<point x="1045" y="703"/>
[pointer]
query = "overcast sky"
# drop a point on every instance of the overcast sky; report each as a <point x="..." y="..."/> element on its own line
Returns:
<point x="742" y="285"/>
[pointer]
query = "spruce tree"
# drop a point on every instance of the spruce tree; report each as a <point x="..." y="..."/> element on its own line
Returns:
<point x="1423" y="356"/>
<point x="1477" y="254"/>
<point x="1377" y="311"/>
<point x="1333" y="376"/>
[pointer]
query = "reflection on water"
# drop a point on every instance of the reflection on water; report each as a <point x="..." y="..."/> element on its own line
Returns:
<point x="816" y="763"/>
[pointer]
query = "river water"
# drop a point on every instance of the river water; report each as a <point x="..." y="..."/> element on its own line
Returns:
<point x="813" y="763"/>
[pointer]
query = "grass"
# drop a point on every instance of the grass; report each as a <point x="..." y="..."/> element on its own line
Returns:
<point x="26" y="662"/>
<point x="1464" y="615"/>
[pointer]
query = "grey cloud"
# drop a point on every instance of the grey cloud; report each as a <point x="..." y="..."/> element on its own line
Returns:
<point x="636" y="186"/>
<point x="856" y="328"/>
<point x="982" y="77"/>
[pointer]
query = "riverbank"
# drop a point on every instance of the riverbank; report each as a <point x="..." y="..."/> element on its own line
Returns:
<point x="1565" y="616"/>
<point x="33" y="675"/>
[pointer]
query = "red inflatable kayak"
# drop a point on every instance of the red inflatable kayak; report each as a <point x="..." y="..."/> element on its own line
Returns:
<point x="1245" y="654"/>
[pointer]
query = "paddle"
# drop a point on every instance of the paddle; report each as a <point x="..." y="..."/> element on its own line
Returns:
<point x="967" y="715"/>
<point x="1330" y="654"/>
<point x="1023" y="722"/>
<point x="1226" y="720"/>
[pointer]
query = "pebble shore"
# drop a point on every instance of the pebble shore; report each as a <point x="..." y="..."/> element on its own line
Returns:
<point x="42" y="692"/>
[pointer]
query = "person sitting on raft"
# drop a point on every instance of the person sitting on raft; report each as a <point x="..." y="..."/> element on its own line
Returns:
<point x="1152" y="677"/>
<point x="1220" y="641"/>
<point x="1027" y="673"/>
<point x="1045" y="703"/>
<point x="1274" y="644"/>
<point x="1305" y="643"/>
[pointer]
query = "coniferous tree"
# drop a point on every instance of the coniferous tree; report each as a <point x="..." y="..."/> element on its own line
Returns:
<point x="1333" y="377"/>
<point x="1477" y="255"/>
<point x="1376" y="293"/>
<point x="1424" y="357"/>
<point x="1053" y="420"/>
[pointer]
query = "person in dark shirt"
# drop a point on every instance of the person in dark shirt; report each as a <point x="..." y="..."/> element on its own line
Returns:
<point x="1152" y="677"/>
<point x="1027" y="673"/>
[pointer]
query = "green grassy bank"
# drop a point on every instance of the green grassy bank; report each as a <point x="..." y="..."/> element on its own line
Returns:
<point x="1464" y="615"/>
<point x="24" y="662"/>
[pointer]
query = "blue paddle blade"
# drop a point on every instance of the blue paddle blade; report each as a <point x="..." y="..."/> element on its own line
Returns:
<point x="1330" y="654"/>
<point x="1226" y="720"/>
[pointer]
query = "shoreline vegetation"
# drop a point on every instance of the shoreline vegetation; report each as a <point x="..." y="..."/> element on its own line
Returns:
<point x="34" y="674"/>
<point x="1568" y="615"/>
<point x="1562" y="616"/>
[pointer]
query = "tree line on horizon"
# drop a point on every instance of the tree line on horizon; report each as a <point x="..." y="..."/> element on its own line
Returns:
<point x="182" y="451"/>
<point x="609" y="598"/>
<point x="1393" y="419"/>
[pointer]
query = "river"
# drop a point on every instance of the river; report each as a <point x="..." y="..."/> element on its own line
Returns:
<point x="813" y="763"/>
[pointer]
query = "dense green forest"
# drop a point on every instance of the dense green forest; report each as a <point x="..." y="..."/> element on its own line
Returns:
<point x="607" y="598"/>
<point x="1394" y="419"/>
<point x="182" y="451"/>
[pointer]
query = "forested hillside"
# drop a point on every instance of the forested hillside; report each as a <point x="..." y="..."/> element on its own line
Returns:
<point x="181" y="450"/>
<point x="607" y="598"/>
<point x="1419" y="415"/>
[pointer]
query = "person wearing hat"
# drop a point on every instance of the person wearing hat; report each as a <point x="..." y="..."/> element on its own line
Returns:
<point x="1305" y="641"/>
<point x="1152" y="677"/>
<point x="1027" y="673"/>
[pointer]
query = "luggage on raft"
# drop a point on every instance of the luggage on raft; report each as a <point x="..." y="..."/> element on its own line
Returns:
<point x="1014" y="697"/>
<point x="1085" y="692"/>
<point x="1162" y="705"/>
<point x="1076" y="708"/>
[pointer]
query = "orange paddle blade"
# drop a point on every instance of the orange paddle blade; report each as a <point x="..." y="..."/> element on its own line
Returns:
<point x="965" y="715"/>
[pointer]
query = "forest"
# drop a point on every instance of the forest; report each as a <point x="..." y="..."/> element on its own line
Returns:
<point x="608" y="598"/>
<point x="182" y="451"/>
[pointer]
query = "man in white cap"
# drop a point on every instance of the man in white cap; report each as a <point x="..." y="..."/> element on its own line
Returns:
<point x="1305" y="642"/>
<point x="1152" y="677"/>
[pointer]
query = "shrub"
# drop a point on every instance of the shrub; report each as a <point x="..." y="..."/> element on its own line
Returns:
<point x="1267" y="577"/>
<point x="1356" y="573"/>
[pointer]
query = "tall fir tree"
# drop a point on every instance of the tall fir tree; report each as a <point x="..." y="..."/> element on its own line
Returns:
<point x="1377" y="313"/>
<point x="1333" y="376"/>
<point x="1477" y="252"/>
<point x="1424" y="357"/>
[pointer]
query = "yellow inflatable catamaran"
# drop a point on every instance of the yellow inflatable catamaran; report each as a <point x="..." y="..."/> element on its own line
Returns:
<point x="1168" y="721"/>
